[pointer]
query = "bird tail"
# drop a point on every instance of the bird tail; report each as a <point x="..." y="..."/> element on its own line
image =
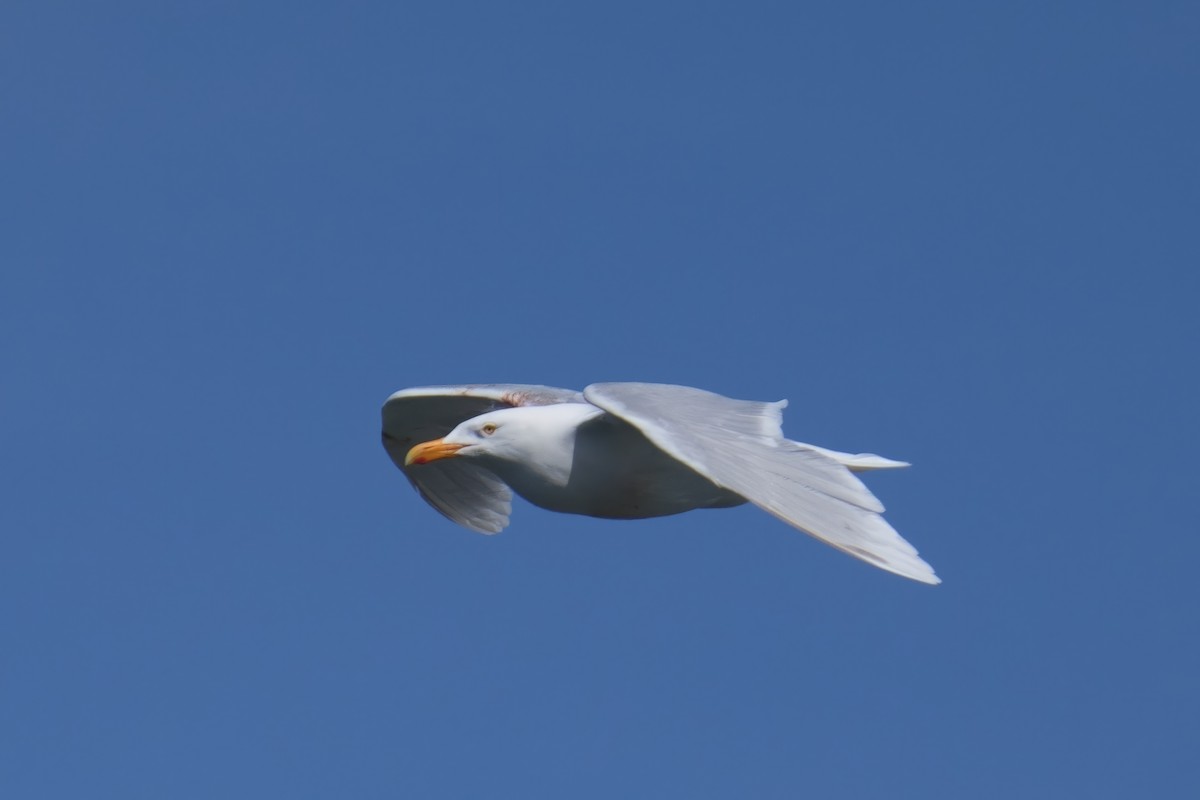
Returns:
<point x="859" y="462"/>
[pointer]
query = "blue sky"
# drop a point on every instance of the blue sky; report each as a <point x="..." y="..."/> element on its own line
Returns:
<point x="962" y="235"/>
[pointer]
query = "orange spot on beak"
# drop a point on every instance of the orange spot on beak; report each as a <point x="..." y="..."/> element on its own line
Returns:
<point x="431" y="451"/>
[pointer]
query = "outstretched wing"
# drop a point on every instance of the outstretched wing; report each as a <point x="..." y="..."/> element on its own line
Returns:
<point x="465" y="492"/>
<point x="739" y="445"/>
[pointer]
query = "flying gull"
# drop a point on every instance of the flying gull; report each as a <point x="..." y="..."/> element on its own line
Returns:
<point x="632" y="451"/>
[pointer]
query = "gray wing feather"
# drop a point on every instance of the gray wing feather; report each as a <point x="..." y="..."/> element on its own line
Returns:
<point x="739" y="445"/>
<point x="466" y="493"/>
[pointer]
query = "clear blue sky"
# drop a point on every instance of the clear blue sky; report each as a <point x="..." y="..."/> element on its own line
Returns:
<point x="960" y="234"/>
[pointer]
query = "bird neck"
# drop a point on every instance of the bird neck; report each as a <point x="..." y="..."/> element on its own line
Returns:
<point x="545" y="453"/>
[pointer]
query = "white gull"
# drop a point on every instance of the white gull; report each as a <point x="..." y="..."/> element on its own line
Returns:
<point x="631" y="451"/>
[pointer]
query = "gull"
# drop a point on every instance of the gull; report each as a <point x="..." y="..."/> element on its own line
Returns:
<point x="633" y="451"/>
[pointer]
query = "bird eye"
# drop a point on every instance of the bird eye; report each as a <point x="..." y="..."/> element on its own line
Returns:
<point x="488" y="428"/>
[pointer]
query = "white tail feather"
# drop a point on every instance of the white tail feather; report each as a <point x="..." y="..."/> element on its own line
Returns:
<point x="859" y="462"/>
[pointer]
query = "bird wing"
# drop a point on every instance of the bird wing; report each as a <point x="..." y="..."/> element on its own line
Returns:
<point x="465" y="492"/>
<point x="739" y="445"/>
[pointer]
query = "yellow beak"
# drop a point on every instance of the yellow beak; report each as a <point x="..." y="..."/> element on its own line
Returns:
<point x="431" y="451"/>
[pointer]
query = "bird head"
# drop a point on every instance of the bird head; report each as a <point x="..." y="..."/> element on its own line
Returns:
<point x="510" y="434"/>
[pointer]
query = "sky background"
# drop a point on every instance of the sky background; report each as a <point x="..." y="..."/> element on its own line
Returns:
<point x="964" y="235"/>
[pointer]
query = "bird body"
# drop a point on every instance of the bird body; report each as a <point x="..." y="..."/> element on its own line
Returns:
<point x="632" y="451"/>
<point x="584" y="461"/>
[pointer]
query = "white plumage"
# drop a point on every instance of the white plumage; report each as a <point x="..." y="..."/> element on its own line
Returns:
<point x="631" y="451"/>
